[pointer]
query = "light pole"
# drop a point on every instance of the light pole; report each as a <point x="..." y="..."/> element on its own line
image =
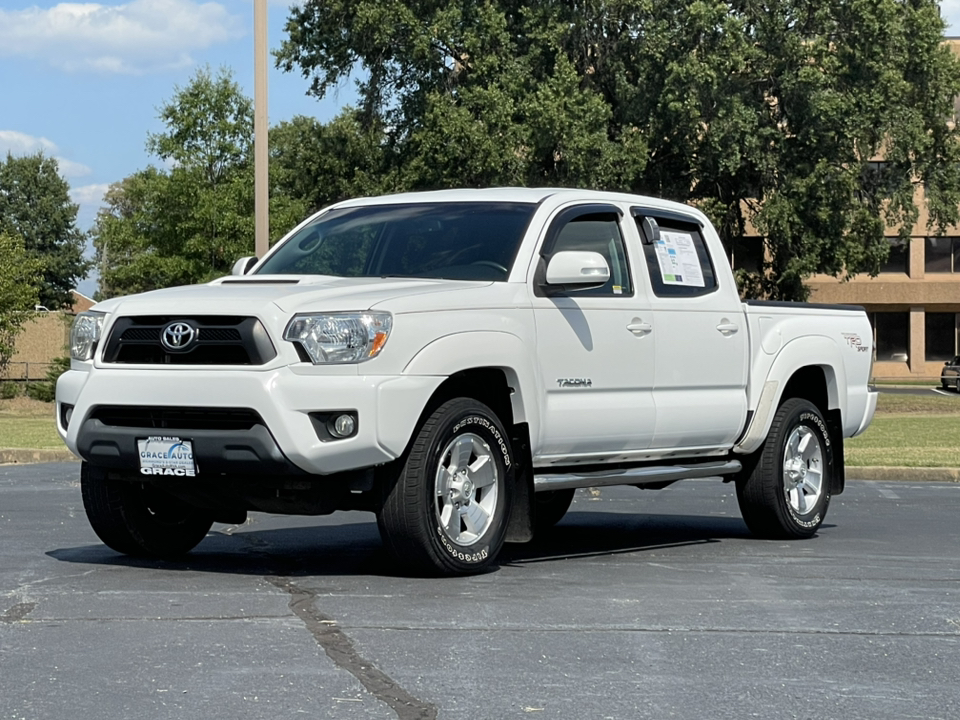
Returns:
<point x="261" y="204"/>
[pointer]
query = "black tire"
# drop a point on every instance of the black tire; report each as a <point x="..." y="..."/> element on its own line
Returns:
<point x="551" y="506"/>
<point x="427" y="519"/>
<point x="776" y="488"/>
<point x="137" y="518"/>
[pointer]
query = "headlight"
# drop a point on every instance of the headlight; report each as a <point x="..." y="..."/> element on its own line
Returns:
<point x="85" y="334"/>
<point x="340" y="337"/>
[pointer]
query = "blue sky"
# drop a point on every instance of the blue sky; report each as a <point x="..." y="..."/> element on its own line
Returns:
<point x="83" y="81"/>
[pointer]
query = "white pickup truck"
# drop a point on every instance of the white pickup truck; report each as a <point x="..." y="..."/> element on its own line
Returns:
<point x="459" y="362"/>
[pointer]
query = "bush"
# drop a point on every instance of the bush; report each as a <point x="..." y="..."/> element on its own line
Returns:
<point x="9" y="390"/>
<point x="46" y="390"/>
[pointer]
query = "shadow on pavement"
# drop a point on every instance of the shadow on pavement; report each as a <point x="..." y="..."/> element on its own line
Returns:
<point x="355" y="548"/>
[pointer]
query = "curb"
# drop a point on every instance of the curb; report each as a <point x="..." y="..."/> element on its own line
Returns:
<point x="19" y="456"/>
<point x="904" y="474"/>
<point x="22" y="456"/>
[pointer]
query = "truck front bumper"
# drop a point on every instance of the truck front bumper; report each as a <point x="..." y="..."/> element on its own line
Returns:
<point x="284" y="441"/>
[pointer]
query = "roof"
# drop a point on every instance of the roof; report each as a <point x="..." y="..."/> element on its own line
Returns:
<point x="514" y="195"/>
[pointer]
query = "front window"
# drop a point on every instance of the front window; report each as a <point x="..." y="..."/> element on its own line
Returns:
<point x="457" y="241"/>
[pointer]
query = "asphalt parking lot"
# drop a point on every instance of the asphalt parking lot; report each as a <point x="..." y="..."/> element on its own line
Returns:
<point x="640" y="604"/>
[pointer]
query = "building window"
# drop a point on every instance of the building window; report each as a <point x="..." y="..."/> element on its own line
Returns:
<point x="891" y="331"/>
<point x="746" y="253"/>
<point x="940" y="255"/>
<point x="897" y="259"/>
<point x="940" y="333"/>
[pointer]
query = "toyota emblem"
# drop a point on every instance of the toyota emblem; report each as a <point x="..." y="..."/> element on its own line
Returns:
<point x="178" y="336"/>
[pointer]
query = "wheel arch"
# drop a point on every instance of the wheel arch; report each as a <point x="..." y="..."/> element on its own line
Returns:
<point x="469" y="360"/>
<point x="807" y="370"/>
<point x="496" y="369"/>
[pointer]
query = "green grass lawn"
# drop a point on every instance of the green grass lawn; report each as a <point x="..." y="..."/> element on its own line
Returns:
<point x="907" y="431"/>
<point x="26" y="423"/>
<point x="910" y="431"/>
<point x="33" y="432"/>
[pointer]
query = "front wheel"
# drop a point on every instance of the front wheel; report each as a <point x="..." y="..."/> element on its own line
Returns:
<point x="446" y="512"/>
<point x="784" y="491"/>
<point x="137" y="518"/>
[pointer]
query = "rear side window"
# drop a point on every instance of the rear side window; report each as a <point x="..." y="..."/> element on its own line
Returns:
<point x="677" y="261"/>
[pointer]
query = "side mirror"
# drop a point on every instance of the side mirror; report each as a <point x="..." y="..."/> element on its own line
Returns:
<point x="243" y="265"/>
<point x="577" y="270"/>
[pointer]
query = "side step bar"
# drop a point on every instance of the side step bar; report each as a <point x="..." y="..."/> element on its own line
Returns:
<point x="632" y="476"/>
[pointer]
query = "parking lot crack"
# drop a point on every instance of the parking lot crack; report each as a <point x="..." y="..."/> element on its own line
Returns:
<point x="341" y="650"/>
<point x="17" y="613"/>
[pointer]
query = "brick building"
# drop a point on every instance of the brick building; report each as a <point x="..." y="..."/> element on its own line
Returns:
<point x="42" y="339"/>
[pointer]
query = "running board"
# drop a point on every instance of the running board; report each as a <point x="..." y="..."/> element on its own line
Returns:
<point x="543" y="482"/>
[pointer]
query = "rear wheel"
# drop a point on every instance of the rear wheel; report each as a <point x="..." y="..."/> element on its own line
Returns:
<point x="137" y="518"/>
<point x="784" y="491"/>
<point x="446" y="512"/>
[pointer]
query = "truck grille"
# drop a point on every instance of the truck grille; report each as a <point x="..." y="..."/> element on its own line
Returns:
<point x="177" y="418"/>
<point x="220" y="340"/>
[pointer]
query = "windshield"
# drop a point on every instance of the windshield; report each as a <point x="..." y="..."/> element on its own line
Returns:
<point x="458" y="241"/>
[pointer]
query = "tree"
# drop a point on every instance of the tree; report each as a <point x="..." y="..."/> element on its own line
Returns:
<point x="21" y="276"/>
<point x="764" y="113"/>
<point x="190" y="224"/>
<point x="35" y="206"/>
<point x="320" y="164"/>
<point x="209" y="127"/>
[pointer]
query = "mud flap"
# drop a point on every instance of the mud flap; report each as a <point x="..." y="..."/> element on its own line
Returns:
<point x="520" y="522"/>
<point x="837" y="470"/>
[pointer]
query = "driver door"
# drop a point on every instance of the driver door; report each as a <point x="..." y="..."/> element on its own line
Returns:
<point x="595" y="349"/>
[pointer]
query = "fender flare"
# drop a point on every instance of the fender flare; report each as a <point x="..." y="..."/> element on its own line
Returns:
<point x="471" y="350"/>
<point x="814" y="351"/>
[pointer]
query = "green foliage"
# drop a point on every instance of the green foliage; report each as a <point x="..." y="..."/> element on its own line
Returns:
<point x="46" y="390"/>
<point x="21" y="276"/>
<point x="35" y="206"/>
<point x="209" y="127"/>
<point x="160" y="228"/>
<point x="9" y="390"/>
<point x="321" y="164"/>
<point x="763" y="114"/>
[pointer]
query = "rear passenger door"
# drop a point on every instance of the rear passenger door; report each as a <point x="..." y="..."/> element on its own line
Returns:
<point x="701" y="352"/>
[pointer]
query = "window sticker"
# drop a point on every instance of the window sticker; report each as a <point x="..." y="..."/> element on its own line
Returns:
<point x="678" y="259"/>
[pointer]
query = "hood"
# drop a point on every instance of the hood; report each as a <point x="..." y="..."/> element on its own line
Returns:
<point x="263" y="294"/>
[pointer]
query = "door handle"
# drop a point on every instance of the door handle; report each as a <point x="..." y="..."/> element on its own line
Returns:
<point x="727" y="328"/>
<point x="638" y="327"/>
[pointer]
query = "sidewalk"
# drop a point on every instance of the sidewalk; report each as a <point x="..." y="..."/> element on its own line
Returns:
<point x="885" y="474"/>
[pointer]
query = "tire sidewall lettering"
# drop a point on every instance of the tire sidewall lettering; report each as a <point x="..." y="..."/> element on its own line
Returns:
<point x="471" y="555"/>
<point x="813" y="421"/>
<point x="478" y="420"/>
<point x="477" y="556"/>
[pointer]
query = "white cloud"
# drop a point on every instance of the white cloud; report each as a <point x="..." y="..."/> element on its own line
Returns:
<point x="18" y="143"/>
<point x="141" y="36"/>
<point x="89" y="198"/>
<point x="89" y="194"/>
<point x="71" y="169"/>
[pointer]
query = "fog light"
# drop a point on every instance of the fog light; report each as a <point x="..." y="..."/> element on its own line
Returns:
<point x="66" y="412"/>
<point x="343" y="426"/>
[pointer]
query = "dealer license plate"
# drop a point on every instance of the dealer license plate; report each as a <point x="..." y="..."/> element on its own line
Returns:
<point x="166" y="456"/>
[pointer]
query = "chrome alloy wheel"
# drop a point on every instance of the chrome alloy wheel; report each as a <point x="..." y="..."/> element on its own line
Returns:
<point x="466" y="489"/>
<point x="803" y="470"/>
